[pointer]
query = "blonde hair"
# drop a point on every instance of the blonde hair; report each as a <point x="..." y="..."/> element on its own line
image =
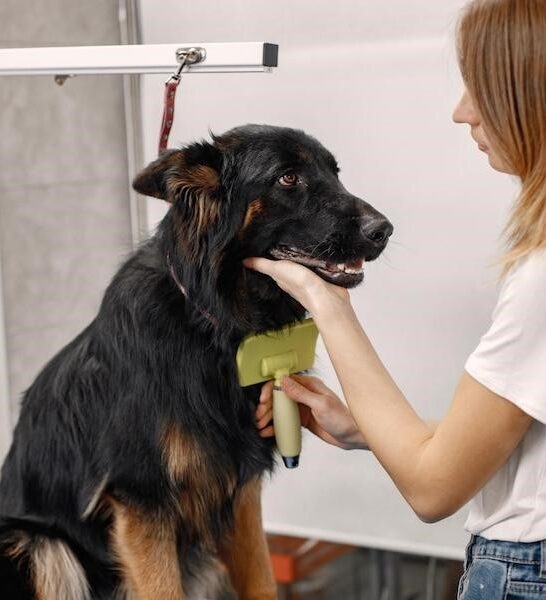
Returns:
<point x="502" y="56"/>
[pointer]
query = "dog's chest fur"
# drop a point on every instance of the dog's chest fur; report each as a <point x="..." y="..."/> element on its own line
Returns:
<point x="188" y="418"/>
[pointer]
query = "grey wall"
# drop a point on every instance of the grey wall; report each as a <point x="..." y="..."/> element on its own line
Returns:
<point x="64" y="205"/>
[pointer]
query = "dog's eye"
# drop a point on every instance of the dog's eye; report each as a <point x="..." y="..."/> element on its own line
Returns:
<point x="288" y="179"/>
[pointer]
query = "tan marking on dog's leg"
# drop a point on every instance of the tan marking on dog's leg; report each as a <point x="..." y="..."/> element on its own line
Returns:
<point x="247" y="555"/>
<point x="180" y="454"/>
<point x="56" y="572"/>
<point x="190" y="469"/>
<point x="146" y="550"/>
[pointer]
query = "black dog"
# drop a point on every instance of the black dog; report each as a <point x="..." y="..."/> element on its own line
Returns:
<point x="135" y="467"/>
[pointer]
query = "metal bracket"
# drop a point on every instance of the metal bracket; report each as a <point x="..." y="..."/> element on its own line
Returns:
<point x="191" y="55"/>
<point x="187" y="56"/>
<point x="60" y="79"/>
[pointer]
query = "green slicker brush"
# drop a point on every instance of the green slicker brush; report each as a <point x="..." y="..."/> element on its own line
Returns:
<point x="273" y="355"/>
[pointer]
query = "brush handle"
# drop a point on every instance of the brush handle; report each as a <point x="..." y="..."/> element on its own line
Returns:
<point x="286" y="420"/>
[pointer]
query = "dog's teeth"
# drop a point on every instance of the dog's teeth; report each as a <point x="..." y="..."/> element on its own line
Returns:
<point x="353" y="267"/>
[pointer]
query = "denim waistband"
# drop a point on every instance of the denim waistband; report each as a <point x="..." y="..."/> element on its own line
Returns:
<point x="527" y="553"/>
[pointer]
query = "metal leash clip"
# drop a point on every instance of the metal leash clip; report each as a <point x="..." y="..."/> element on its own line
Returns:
<point x="187" y="56"/>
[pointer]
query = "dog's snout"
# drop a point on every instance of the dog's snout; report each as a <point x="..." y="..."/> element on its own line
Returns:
<point x="377" y="230"/>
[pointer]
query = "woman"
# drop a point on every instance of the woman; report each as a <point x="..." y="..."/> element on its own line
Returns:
<point x="491" y="446"/>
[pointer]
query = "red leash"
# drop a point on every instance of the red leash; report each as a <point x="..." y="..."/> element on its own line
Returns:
<point x="186" y="56"/>
<point x="171" y="85"/>
<point x="168" y="112"/>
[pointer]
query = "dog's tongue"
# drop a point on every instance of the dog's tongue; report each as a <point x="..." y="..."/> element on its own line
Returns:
<point x="356" y="264"/>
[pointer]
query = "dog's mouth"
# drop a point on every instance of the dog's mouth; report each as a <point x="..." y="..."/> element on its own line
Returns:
<point x="345" y="274"/>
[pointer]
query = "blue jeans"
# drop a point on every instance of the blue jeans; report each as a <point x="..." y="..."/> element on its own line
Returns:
<point x="496" y="570"/>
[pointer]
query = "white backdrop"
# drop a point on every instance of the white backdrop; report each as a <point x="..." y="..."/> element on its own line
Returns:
<point x="376" y="83"/>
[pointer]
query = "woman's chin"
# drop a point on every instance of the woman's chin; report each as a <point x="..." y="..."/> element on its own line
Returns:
<point x="496" y="163"/>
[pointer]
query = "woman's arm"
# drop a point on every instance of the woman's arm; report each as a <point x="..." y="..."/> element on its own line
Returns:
<point x="437" y="469"/>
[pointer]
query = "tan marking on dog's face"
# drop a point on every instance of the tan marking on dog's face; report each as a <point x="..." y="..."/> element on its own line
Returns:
<point x="56" y="572"/>
<point x="255" y="208"/>
<point x="145" y="547"/>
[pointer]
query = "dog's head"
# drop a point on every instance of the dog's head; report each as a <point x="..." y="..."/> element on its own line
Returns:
<point x="259" y="190"/>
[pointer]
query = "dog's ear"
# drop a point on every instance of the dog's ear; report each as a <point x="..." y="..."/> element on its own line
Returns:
<point x="190" y="179"/>
<point x="152" y="181"/>
<point x="196" y="166"/>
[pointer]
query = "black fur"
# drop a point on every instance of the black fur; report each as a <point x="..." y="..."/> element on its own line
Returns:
<point x="154" y="355"/>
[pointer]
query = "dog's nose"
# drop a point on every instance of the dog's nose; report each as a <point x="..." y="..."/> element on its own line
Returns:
<point x="377" y="230"/>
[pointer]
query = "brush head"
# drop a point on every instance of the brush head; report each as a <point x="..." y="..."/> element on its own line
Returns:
<point x="290" y="349"/>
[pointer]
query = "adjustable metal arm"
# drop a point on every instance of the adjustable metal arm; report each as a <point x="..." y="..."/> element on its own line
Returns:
<point x="143" y="58"/>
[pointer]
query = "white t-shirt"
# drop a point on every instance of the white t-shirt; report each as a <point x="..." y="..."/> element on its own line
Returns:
<point x="510" y="360"/>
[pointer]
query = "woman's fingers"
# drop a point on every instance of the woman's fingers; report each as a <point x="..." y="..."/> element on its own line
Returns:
<point x="313" y="383"/>
<point x="301" y="393"/>
<point x="267" y="432"/>
<point x="263" y="408"/>
<point x="295" y="279"/>
<point x="299" y="281"/>
<point x="266" y="392"/>
<point x="265" y="419"/>
<point x="309" y="392"/>
<point x="263" y="265"/>
<point x="266" y="399"/>
<point x="280" y="270"/>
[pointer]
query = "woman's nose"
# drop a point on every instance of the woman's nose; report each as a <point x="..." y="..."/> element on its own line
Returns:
<point x="465" y="112"/>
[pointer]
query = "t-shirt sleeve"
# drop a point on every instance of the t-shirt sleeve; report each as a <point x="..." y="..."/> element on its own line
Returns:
<point x="510" y="359"/>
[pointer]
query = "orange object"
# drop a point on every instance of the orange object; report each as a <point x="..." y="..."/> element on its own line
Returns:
<point x="294" y="559"/>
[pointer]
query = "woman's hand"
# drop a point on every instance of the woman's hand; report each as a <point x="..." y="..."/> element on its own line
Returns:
<point x="321" y="411"/>
<point x="300" y="282"/>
